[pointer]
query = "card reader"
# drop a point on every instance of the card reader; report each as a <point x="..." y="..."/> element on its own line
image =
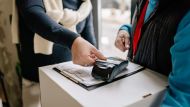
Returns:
<point x="109" y="69"/>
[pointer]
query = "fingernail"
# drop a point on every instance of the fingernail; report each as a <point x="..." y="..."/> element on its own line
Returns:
<point x="127" y="46"/>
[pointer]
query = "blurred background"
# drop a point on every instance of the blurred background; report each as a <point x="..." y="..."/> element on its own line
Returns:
<point x="114" y="13"/>
<point x="109" y="16"/>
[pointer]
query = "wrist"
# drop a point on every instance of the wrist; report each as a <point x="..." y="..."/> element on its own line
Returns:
<point x="76" y="42"/>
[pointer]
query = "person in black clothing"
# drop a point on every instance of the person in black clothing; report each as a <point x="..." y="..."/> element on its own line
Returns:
<point x="158" y="39"/>
<point x="67" y="44"/>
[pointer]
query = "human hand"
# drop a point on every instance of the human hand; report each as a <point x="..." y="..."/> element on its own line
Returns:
<point x="122" y="41"/>
<point x="83" y="53"/>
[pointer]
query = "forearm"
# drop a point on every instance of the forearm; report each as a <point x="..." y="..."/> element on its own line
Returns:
<point x="39" y="22"/>
<point x="178" y="93"/>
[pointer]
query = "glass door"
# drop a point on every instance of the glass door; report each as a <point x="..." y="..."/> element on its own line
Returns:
<point x="114" y="13"/>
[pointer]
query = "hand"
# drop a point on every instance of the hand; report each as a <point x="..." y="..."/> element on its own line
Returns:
<point x="122" y="41"/>
<point x="83" y="53"/>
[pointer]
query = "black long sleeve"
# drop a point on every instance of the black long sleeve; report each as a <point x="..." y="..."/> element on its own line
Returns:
<point x="36" y="19"/>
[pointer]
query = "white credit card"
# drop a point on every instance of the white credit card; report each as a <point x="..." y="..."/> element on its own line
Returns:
<point x="111" y="60"/>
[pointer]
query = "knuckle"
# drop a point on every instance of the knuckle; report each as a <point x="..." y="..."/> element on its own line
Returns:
<point x="126" y="35"/>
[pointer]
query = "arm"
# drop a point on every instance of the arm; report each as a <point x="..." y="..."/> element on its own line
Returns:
<point x="38" y="21"/>
<point x="88" y="32"/>
<point x="34" y="15"/>
<point x="178" y="93"/>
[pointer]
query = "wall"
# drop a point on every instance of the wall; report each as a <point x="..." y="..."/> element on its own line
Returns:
<point x="8" y="56"/>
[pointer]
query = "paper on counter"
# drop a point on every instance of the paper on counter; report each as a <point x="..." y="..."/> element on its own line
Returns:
<point x="83" y="75"/>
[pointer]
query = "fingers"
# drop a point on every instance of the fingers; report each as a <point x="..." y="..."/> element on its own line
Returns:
<point x="122" y="41"/>
<point x="127" y="43"/>
<point x="119" y="43"/>
<point x="98" y="54"/>
<point x="87" y="61"/>
<point x="93" y="56"/>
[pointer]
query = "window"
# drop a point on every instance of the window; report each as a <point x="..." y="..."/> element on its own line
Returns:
<point x="114" y="13"/>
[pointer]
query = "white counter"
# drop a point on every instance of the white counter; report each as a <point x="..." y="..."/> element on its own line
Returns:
<point x="58" y="91"/>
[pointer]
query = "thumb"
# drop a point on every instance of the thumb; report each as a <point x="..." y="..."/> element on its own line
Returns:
<point x="98" y="54"/>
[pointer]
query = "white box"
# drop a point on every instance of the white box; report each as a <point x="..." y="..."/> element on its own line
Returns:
<point x="143" y="89"/>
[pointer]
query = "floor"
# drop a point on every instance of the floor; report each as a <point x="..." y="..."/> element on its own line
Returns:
<point x="31" y="94"/>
